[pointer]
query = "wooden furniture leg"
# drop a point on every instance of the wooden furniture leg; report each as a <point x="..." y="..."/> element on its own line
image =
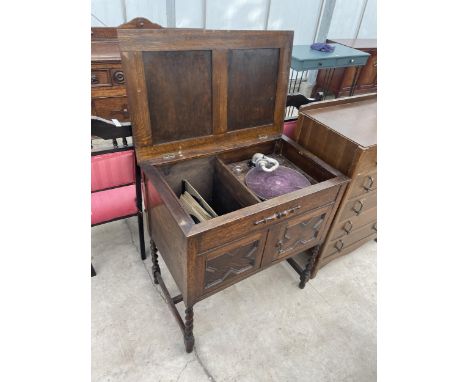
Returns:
<point x="189" y="340"/>
<point x="305" y="275"/>
<point x="154" y="257"/>
<point x="139" y="202"/>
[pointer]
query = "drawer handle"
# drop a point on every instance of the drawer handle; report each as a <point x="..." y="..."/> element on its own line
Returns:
<point x="119" y="77"/>
<point x="348" y="226"/>
<point x="358" y="209"/>
<point x="277" y="215"/>
<point x="374" y="227"/>
<point x="94" y="79"/>
<point x="320" y="64"/>
<point x="370" y="183"/>
<point x="339" y="245"/>
<point x="124" y="110"/>
<point x="351" y="61"/>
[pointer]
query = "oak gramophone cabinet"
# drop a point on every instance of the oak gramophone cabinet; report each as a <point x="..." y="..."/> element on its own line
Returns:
<point x="202" y="102"/>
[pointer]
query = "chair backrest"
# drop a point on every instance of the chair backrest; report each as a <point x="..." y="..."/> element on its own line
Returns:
<point x="113" y="167"/>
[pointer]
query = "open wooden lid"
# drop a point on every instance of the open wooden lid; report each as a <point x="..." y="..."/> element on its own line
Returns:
<point x="199" y="90"/>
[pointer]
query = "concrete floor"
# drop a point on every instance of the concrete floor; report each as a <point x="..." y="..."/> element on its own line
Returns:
<point x="248" y="332"/>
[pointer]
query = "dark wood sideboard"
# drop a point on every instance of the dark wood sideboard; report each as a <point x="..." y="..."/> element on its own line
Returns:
<point x="342" y="79"/>
<point x="108" y="93"/>
<point x="343" y="132"/>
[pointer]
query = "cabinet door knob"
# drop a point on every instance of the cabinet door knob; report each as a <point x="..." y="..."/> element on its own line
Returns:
<point x="374" y="227"/>
<point x="348" y="226"/>
<point x="369" y="184"/>
<point x="94" y="79"/>
<point x="358" y="208"/>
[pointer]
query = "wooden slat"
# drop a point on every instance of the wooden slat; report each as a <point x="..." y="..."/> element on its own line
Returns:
<point x="132" y="64"/>
<point x="220" y="85"/>
<point x="195" y="39"/>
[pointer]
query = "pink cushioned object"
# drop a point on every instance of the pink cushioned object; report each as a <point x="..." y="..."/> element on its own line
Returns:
<point x="112" y="204"/>
<point x="112" y="170"/>
<point x="289" y="128"/>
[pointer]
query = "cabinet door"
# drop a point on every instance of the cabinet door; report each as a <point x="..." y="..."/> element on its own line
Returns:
<point x="232" y="262"/>
<point x="295" y="235"/>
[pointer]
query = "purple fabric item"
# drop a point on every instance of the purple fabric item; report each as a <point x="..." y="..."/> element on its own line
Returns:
<point x="322" y="47"/>
<point x="267" y="185"/>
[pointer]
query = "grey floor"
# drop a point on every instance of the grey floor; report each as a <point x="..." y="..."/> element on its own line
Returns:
<point x="262" y="329"/>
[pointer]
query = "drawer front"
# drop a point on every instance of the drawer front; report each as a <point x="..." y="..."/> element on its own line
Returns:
<point x="266" y="219"/>
<point x="364" y="184"/>
<point x="342" y="244"/>
<point x="351" y="61"/>
<point x="113" y="107"/>
<point x="359" y="205"/>
<point x="100" y="77"/>
<point x="232" y="262"/>
<point x="314" y="64"/>
<point x="296" y="235"/>
<point x="349" y="226"/>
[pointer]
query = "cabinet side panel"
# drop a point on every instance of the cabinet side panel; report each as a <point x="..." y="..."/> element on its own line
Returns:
<point x="168" y="236"/>
<point x="332" y="148"/>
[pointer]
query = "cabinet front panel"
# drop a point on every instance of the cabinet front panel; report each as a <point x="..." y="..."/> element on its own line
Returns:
<point x="266" y="219"/>
<point x="232" y="262"/>
<point x="297" y="234"/>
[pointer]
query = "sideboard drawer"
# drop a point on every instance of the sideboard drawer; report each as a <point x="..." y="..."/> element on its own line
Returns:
<point x="359" y="205"/>
<point x="350" y="225"/>
<point x="100" y="77"/>
<point x="342" y="244"/>
<point x="113" y="107"/>
<point x="364" y="184"/>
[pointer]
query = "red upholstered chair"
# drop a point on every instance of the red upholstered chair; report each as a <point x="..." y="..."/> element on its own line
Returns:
<point x="115" y="179"/>
<point x="289" y="127"/>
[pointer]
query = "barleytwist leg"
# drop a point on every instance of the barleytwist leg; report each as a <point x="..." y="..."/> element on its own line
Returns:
<point x="154" y="257"/>
<point x="305" y="276"/>
<point x="189" y="340"/>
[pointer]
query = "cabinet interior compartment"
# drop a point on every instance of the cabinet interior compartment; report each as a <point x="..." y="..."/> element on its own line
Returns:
<point x="209" y="178"/>
<point x="222" y="185"/>
<point x="237" y="162"/>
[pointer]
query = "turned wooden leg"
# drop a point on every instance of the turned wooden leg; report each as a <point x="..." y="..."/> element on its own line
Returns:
<point x="154" y="257"/>
<point x="189" y="340"/>
<point x="305" y="276"/>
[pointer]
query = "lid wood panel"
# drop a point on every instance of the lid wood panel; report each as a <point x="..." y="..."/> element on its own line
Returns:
<point x="197" y="89"/>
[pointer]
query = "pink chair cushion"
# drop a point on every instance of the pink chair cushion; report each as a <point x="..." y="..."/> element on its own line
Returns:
<point x="112" y="170"/>
<point x="289" y="128"/>
<point x="112" y="204"/>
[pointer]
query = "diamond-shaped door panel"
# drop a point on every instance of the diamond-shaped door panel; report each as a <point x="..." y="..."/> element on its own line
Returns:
<point x="233" y="261"/>
<point x="296" y="235"/>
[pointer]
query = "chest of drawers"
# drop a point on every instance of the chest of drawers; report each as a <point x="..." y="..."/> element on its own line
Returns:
<point x="108" y="92"/>
<point x="343" y="132"/>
